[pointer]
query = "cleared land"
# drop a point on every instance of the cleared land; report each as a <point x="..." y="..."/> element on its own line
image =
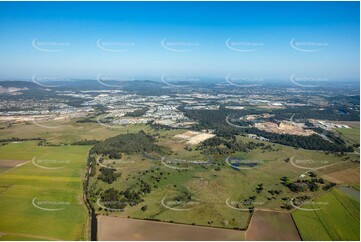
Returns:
<point x="11" y="163"/>
<point x="193" y="138"/>
<point x="283" y="128"/>
<point x="39" y="203"/>
<point x="267" y="225"/>
<point x="112" y="228"/>
<point x="8" y="164"/>
<point x="349" y="176"/>
<point x="338" y="218"/>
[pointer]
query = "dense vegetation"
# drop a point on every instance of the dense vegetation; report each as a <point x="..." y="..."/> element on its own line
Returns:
<point x="312" y="142"/>
<point x="130" y="143"/>
<point x="311" y="184"/>
<point x="85" y="142"/>
<point x="112" y="148"/>
<point x="115" y="199"/>
<point x="224" y="146"/>
<point x="15" y="139"/>
<point x="137" y="113"/>
<point x="108" y="175"/>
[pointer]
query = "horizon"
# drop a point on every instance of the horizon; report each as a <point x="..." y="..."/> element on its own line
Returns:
<point x="62" y="39"/>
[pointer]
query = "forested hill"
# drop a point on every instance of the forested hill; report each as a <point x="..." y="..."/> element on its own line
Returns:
<point x="131" y="143"/>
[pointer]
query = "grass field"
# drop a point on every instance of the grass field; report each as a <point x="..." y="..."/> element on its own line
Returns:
<point x="338" y="218"/>
<point x="352" y="135"/>
<point x="20" y="237"/>
<point x="67" y="132"/>
<point x="43" y="203"/>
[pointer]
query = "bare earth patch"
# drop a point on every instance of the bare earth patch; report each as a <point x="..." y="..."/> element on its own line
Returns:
<point x="11" y="163"/>
<point x="193" y="138"/>
<point x="351" y="175"/>
<point x="6" y="165"/>
<point x="113" y="228"/>
<point x="267" y="225"/>
<point x="284" y="127"/>
<point x="40" y="118"/>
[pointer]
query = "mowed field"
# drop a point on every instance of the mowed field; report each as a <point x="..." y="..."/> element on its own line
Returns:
<point x="112" y="228"/>
<point x="42" y="199"/>
<point x="337" y="218"/>
<point x="270" y="225"/>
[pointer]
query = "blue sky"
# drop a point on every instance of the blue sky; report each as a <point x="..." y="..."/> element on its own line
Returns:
<point x="325" y="39"/>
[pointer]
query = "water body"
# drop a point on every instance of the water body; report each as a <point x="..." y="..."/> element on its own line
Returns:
<point x="237" y="162"/>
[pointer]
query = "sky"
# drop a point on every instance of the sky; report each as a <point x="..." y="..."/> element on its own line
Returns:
<point x="264" y="40"/>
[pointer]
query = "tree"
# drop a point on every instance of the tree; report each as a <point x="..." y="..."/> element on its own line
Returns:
<point x="108" y="175"/>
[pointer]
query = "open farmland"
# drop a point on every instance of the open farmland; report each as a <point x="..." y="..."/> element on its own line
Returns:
<point x="268" y="225"/>
<point x="112" y="228"/>
<point x="333" y="216"/>
<point x="66" y="132"/>
<point x="348" y="176"/>
<point x="42" y="199"/>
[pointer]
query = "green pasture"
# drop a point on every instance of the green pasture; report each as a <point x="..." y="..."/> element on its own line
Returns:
<point x="338" y="218"/>
<point x="43" y="202"/>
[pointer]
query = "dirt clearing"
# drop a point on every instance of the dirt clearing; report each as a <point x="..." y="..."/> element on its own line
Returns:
<point x="194" y="138"/>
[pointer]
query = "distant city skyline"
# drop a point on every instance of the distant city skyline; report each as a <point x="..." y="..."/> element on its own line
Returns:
<point x="255" y="40"/>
